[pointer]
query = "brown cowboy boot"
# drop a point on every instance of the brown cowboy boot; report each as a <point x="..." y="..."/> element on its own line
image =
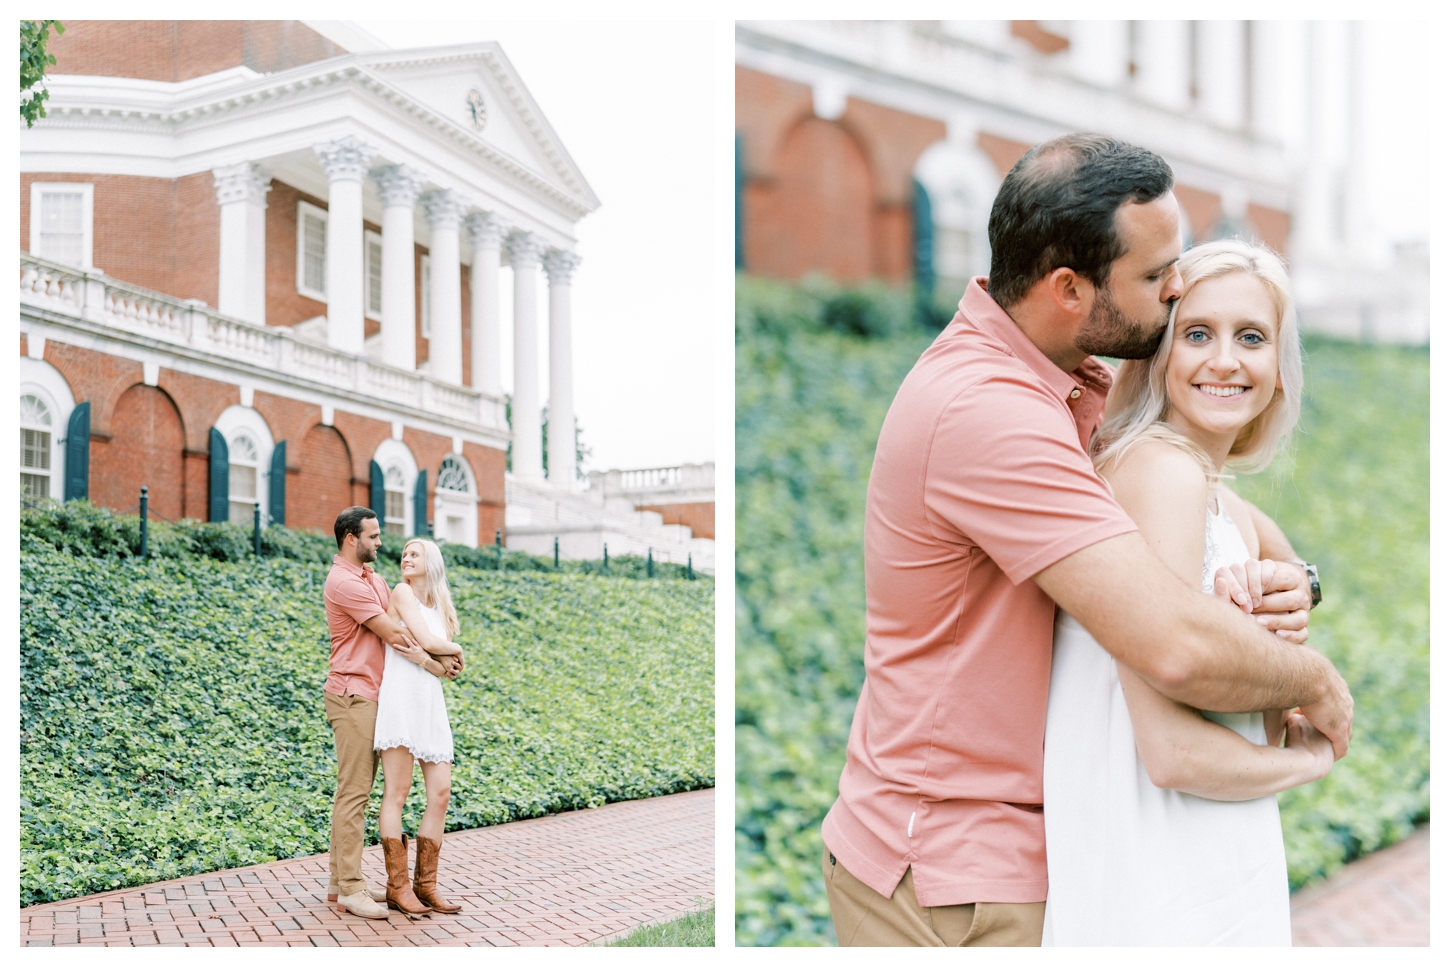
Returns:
<point x="400" y="894"/>
<point x="425" y="877"/>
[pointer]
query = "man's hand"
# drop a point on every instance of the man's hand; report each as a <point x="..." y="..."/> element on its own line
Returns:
<point x="1334" y="713"/>
<point x="1275" y="592"/>
<point x="452" y="665"/>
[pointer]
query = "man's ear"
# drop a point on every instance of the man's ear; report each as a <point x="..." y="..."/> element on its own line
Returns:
<point x="1071" y="293"/>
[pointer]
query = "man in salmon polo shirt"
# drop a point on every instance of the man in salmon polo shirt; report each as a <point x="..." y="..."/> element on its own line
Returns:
<point x="357" y="620"/>
<point x="984" y="515"/>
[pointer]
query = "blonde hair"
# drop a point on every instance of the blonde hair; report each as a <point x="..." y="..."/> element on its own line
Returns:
<point x="435" y="585"/>
<point x="1137" y="405"/>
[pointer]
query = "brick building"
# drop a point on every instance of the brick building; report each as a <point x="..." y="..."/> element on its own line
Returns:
<point x="874" y="149"/>
<point x="261" y="266"/>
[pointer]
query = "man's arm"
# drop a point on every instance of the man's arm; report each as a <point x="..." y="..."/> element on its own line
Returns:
<point x="1190" y="646"/>
<point x="396" y="636"/>
<point x="390" y="631"/>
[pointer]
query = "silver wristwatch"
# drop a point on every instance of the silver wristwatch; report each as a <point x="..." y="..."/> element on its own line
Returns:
<point x="1313" y="571"/>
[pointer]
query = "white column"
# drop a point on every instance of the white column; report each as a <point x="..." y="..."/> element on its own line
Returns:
<point x="445" y="300"/>
<point x="241" y="191"/>
<point x="1160" y="51"/>
<point x="1222" y="71"/>
<point x="346" y="162"/>
<point x="525" y="249"/>
<point x="488" y="231"/>
<point x="1099" y="51"/>
<point x="399" y="187"/>
<point x="560" y="266"/>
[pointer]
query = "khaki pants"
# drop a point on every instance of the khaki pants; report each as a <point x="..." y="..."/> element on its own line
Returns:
<point x="864" y="918"/>
<point x="352" y="718"/>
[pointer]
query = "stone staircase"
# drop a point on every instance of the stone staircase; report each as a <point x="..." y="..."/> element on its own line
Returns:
<point x="586" y="522"/>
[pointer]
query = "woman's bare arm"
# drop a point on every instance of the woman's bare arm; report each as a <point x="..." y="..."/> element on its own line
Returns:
<point x="1163" y="490"/>
<point x="408" y="608"/>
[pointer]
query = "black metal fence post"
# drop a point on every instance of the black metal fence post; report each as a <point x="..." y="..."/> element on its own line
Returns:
<point x="606" y="558"/>
<point x="430" y="530"/>
<point x="498" y="550"/>
<point x="689" y="567"/>
<point x="144" y="492"/>
<point x="257" y="528"/>
<point x="649" y="564"/>
<point x="556" y="553"/>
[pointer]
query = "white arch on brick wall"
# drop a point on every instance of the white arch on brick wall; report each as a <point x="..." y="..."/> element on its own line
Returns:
<point x="395" y="453"/>
<point x="449" y="505"/>
<point x="43" y="381"/>
<point x="243" y="420"/>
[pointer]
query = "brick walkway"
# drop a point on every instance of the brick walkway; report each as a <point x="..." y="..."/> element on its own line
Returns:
<point x="560" y="880"/>
<point x="1382" y="900"/>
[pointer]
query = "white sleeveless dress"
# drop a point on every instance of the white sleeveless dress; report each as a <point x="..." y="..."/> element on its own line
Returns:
<point x="411" y="711"/>
<point x="1129" y="864"/>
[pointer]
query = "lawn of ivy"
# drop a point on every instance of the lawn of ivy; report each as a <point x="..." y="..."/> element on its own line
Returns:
<point x="171" y="707"/>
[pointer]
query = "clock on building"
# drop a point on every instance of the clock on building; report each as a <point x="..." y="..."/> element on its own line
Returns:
<point x="477" y="112"/>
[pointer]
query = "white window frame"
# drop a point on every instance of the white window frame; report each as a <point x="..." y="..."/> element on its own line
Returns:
<point x="307" y="208"/>
<point x="257" y="496"/>
<point x="394" y="454"/>
<point x="425" y="282"/>
<point x="88" y="200"/>
<point x="371" y="238"/>
<point x="237" y="420"/>
<point x="50" y="429"/>
<point x="457" y="503"/>
<point x="40" y="379"/>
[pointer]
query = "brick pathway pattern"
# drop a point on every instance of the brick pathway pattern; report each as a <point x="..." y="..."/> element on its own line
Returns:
<point x="1382" y="900"/>
<point x="560" y="880"/>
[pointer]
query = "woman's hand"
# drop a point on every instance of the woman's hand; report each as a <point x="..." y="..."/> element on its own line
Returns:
<point x="1271" y="591"/>
<point x="1301" y="735"/>
<point x="414" y="652"/>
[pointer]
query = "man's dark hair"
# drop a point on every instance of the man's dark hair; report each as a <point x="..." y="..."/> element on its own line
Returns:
<point x="1057" y="207"/>
<point x="350" y="522"/>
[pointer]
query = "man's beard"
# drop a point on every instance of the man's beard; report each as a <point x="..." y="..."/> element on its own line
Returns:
<point x="1108" y="332"/>
<point x="366" y="554"/>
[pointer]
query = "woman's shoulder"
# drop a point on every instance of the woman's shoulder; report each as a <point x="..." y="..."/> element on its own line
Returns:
<point x="1161" y="467"/>
<point x="404" y="590"/>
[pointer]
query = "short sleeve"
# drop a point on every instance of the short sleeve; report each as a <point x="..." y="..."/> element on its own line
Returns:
<point x="356" y="599"/>
<point x="1006" y="471"/>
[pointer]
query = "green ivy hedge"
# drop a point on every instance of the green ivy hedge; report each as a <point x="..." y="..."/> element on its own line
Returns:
<point x="171" y="707"/>
<point x="811" y="393"/>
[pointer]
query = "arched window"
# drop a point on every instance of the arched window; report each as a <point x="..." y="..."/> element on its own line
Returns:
<point x="242" y="483"/>
<point x="395" y="514"/>
<point x="452" y="476"/>
<point x="35" y="435"/>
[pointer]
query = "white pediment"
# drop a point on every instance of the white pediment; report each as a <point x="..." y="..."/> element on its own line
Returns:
<point x="443" y="79"/>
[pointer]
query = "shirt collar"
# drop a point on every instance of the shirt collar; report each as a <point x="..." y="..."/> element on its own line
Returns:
<point x="361" y="570"/>
<point x="982" y="311"/>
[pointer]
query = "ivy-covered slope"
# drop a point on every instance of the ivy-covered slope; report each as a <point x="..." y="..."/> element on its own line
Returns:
<point x="171" y="708"/>
<point x="812" y="387"/>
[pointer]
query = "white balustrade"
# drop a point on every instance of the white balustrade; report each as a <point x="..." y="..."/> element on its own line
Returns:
<point x="94" y="297"/>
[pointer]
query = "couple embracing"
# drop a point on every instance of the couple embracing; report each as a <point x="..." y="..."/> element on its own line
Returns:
<point x="1086" y="663"/>
<point x="384" y="701"/>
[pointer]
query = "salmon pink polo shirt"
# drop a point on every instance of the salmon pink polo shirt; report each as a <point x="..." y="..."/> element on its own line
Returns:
<point x="354" y="594"/>
<point x="981" y="480"/>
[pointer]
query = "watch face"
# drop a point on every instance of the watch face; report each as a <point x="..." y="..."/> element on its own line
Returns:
<point x="477" y="112"/>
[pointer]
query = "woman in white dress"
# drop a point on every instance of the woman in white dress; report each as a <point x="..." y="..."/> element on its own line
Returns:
<point x="412" y="725"/>
<point x="1162" y="826"/>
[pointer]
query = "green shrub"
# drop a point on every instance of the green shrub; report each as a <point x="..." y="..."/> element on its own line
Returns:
<point x="809" y="404"/>
<point x="171" y="716"/>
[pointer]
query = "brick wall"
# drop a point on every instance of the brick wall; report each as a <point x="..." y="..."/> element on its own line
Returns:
<point x="177" y="50"/>
<point x="321" y="487"/>
<point x="699" y="517"/>
<point x="827" y="196"/>
<point x="159" y="233"/>
<point x="488" y="469"/>
<point x="147" y="452"/>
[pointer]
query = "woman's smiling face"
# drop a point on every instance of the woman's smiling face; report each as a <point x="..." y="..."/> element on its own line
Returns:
<point x="413" y="560"/>
<point x="1223" y="366"/>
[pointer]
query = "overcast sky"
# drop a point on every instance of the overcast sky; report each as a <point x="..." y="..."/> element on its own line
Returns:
<point x="632" y="103"/>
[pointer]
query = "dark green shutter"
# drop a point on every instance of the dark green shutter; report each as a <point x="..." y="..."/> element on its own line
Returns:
<point x="923" y="254"/>
<point x="277" y="489"/>
<point x="420" y="504"/>
<point x="379" y="494"/>
<point x="220" y="478"/>
<point x="739" y="201"/>
<point x="78" y="453"/>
